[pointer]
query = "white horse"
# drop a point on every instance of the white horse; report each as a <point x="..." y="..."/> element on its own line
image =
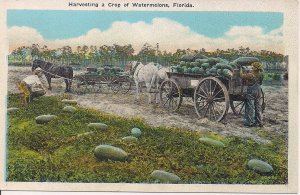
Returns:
<point x="144" y="74"/>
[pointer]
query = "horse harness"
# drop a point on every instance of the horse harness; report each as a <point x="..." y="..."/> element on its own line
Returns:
<point x="134" y="69"/>
<point x="57" y="76"/>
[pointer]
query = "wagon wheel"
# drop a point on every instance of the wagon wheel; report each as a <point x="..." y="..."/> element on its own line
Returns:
<point x="122" y="85"/>
<point x="211" y="99"/>
<point x="170" y="95"/>
<point x="105" y="83"/>
<point x="78" y="85"/>
<point x="115" y="86"/>
<point x="238" y="107"/>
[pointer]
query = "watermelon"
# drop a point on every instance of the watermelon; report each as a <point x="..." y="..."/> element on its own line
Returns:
<point x="213" y="61"/>
<point x="213" y="70"/>
<point x="201" y="71"/>
<point x="221" y="60"/>
<point x="66" y="101"/>
<point x="43" y="119"/>
<point x="165" y="177"/>
<point x="196" y="70"/>
<point x="182" y="63"/>
<point x="226" y="66"/>
<point x="233" y="65"/>
<point x="212" y="142"/>
<point x="195" y="64"/>
<point x="201" y="61"/>
<point x="260" y="166"/>
<point x="13" y="109"/>
<point x="107" y="152"/>
<point x="200" y="56"/>
<point x="187" y="58"/>
<point x="136" y="132"/>
<point x="220" y="72"/>
<point x="180" y="69"/>
<point x="220" y="65"/>
<point x="227" y="73"/>
<point x="97" y="126"/>
<point x="245" y="61"/>
<point x="205" y="66"/>
<point x="130" y="139"/>
<point x="188" y="70"/>
<point x="69" y="109"/>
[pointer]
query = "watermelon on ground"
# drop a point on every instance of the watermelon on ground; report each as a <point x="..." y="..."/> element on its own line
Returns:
<point x="136" y="132"/>
<point x="97" y="126"/>
<point x="260" y="166"/>
<point x="212" y="142"/>
<point x="165" y="177"/>
<point x="107" y="152"/>
<point x="43" y="119"/>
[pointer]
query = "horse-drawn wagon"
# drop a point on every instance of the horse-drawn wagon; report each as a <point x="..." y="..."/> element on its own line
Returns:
<point x="212" y="95"/>
<point x="99" y="80"/>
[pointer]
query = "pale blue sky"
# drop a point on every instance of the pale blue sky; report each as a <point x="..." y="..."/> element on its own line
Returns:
<point x="67" y="24"/>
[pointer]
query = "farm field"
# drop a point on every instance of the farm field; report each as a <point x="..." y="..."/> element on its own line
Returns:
<point x="61" y="151"/>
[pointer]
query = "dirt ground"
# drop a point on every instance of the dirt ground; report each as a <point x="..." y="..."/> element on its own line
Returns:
<point x="275" y="116"/>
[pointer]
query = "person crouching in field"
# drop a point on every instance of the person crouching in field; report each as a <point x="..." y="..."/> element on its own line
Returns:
<point x="31" y="87"/>
<point x="253" y="108"/>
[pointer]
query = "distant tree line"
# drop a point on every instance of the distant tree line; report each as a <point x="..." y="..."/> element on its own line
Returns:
<point x="119" y="55"/>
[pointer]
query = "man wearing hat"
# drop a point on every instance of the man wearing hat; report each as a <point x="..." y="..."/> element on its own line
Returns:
<point x="253" y="108"/>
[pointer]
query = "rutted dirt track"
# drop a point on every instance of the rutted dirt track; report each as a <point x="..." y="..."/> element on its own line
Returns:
<point x="275" y="115"/>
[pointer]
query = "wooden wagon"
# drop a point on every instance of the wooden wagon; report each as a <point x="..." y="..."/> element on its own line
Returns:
<point x="109" y="78"/>
<point x="212" y="95"/>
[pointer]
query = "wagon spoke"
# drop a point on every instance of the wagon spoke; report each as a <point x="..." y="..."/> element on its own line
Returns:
<point x="242" y="108"/>
<point x="203" y="91"/>
<point x="213" y="109"/>
<point x="166" y="102"/>
<point x="213" y="91"/>
<point x="217" y="93"/>
<point x="206" y="110"/>
<point x="202" y="96"/>
<point x="217" y="99"/>
<point x="210" y="87"/>
<point x="206" y="88"/>
<point x="238" y="104"/>
<point x="201" y="100"/>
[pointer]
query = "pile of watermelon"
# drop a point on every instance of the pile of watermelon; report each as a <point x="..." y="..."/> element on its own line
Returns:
<point x="202" y="65"/>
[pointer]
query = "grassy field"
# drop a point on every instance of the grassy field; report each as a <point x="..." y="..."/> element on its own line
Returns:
<point x="54" y="151"/>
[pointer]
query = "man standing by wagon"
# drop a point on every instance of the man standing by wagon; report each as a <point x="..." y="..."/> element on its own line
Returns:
<point x="253" y="108"/>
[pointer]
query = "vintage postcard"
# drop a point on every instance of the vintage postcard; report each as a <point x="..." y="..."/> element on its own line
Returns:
<point x="149" y="96"/>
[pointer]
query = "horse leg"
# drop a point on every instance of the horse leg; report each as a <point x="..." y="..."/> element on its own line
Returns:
<point x="67" y="85"/>
<point x="148" y="86"/>
<point x="49" y="83"/>
<point x="156" y="93"/>
<point x="70" y="84"/>
<point x="137" y="97"/>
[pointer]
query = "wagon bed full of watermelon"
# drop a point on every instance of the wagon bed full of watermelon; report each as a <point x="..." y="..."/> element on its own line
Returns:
<point x="99" y="80"/>
<point x="214" y="84"/>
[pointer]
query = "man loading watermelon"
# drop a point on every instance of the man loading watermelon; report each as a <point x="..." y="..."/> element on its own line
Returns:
<point x="253" y="108"/>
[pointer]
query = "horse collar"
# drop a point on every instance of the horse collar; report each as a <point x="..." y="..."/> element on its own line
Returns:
<point x="135" y="67"/>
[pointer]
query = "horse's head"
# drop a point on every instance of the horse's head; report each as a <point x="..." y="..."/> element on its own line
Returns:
<point x="131" y="66"/>
<point x="35" y="64"/>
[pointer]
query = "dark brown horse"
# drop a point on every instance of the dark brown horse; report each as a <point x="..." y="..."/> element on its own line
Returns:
<point x="53" y="71"/>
